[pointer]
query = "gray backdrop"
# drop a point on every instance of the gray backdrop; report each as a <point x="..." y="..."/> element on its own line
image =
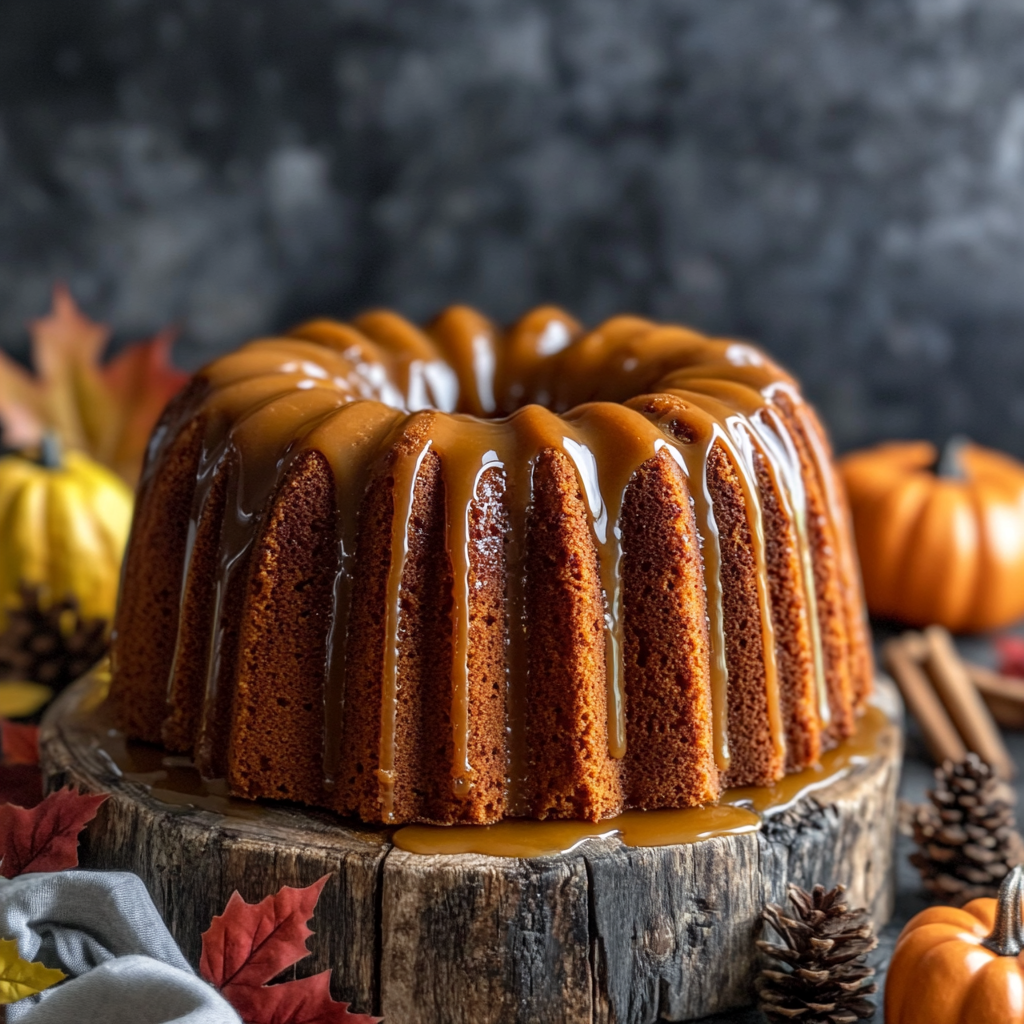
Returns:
<point x="842" y="180"/>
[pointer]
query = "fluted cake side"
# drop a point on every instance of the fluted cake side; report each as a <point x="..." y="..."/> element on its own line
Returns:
<point x="458" y="573"/>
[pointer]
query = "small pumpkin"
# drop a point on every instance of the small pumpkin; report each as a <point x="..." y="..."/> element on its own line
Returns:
<point x="941" y="540"/>
<point x="961" y="966"/>
<point x="64" y="521"/>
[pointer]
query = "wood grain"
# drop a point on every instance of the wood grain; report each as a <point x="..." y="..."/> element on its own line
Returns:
<point x="606" y="933"/>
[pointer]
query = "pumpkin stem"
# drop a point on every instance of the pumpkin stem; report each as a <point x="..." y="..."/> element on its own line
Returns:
<point x="951" y="463"/>
<point x="50" y="450"/>
<point x="1007" y="938"/>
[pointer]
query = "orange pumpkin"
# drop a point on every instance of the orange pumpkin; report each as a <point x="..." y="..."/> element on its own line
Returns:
<point x="955" y="966"/>
<point x="940" y="541"/>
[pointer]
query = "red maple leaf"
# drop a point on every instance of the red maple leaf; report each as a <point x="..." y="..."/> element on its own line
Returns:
<point x="1011" y="655"/>
<point x="251" y="943"/>
<point x="305" y="1001"/>
<point x="45" y="838"/>
<point x="19" y="744"/>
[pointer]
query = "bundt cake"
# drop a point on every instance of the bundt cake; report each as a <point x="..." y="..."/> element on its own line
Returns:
<point x="458" y="573"/>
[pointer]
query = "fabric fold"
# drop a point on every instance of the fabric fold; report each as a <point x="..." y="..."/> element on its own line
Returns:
<point x="103" y="931"/>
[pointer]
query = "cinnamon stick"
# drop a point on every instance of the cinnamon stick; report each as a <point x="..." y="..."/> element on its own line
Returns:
<point x="940" y="735"/>
<point x="915" y="645"/>
<point x="1004" y="695"/>
<point x="966" y="708"/>
<point x="988" y="680"/>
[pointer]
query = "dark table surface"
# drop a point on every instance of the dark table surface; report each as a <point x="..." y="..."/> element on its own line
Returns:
<point x="916" y="779"/>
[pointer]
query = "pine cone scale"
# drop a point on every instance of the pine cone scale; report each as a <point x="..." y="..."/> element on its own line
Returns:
<point x="49" y="642"/>
<point x="966" y="835"/>
<point x="826" y="947"/>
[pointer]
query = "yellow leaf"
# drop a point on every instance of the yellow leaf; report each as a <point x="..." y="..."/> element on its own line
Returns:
<point x="19" y="979"/>
<point x="19" y="700"/>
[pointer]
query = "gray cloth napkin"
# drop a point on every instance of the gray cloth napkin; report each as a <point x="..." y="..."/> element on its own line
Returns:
<point x="102" y="930"/>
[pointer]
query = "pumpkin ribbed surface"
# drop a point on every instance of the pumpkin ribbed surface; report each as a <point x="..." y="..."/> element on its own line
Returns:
<point x="62" y="531"/>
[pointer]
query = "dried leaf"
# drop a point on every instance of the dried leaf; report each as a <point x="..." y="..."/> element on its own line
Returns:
<point x="106" y="411"/>
<point x="22" y="407"/>
<point x="250" y="944"/>
<point x="66" y="351"/>
<point x="305" y="1001"/>
<point x="45" y="837"/>
<point x="19" y="744"/>
<point x="20" y="979"/>
<point x="140" y="381"/>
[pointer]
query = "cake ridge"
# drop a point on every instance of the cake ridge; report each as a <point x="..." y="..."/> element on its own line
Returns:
<point x="616" y="398"/>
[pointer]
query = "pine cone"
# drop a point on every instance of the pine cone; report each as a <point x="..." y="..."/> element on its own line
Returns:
<point x="825" y="946"/>
<point x="52" y="645"/>
<point x="967" y="838"/>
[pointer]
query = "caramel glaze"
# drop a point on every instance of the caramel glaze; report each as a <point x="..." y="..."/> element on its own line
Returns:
<point x="386" y="405"/>
<point x="740" y="810"/>
<point x="174" y="782"/>
<point x="171" y="780"/>
<point x="518" y="838"/>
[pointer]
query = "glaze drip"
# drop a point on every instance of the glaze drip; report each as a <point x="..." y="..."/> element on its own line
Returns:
<point x="740" y="811"/>
<point x="375" y="397"/>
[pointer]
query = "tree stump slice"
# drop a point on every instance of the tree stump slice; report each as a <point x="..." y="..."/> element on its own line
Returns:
<point x="604" y="933"/>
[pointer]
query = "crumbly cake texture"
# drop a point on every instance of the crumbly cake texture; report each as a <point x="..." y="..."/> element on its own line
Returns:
<point x="457" y="574"/>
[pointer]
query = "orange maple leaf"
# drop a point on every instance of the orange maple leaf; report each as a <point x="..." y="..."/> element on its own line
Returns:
<point x="105" y="411"/>
<point x="142" y="381"/>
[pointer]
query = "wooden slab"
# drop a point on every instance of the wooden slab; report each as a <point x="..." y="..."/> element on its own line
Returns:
<point x="605" y="933"/>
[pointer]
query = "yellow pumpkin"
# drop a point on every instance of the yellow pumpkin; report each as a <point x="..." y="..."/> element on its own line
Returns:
<point x="940" y="540"/>
<point x="953" y="966"/>
<point x="64" y="521"/>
